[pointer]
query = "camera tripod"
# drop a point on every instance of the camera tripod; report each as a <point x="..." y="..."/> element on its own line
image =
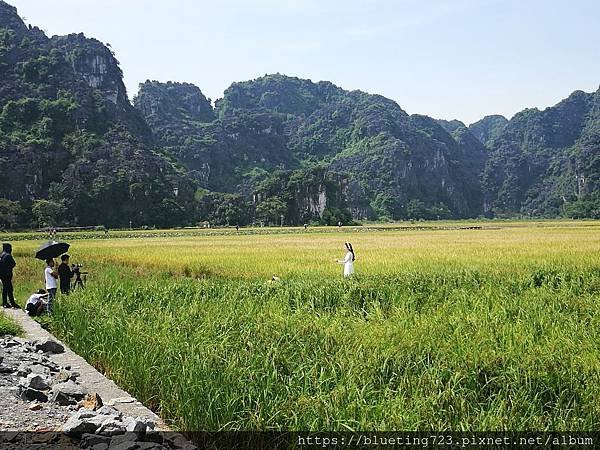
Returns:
<point x="80" y="279"/>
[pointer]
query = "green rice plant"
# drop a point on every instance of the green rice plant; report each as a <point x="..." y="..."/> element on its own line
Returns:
<point x="8" y="326"/>
<point x="440" y="329"/>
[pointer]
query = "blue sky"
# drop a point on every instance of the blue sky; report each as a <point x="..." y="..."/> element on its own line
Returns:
<point x="449" y="59"/>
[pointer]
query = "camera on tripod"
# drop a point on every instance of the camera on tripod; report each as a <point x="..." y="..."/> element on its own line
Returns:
<point x="80" y="276"/>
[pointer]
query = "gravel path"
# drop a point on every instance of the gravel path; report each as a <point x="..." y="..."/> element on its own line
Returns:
<point x="52" y="398"/>
<point x="17" y="359"/>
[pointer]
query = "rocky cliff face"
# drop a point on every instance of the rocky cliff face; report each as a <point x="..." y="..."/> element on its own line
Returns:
<point x="167" y="103"/>
<point x="386" y="157"/>
<point x="69" y="135"/>
<point x="541" y="160"/>
<point x="96" y="64"/>
<point x="488" y="129"/>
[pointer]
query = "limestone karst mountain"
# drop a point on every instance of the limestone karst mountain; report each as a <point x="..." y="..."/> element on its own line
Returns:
<point x="75" y="151"/>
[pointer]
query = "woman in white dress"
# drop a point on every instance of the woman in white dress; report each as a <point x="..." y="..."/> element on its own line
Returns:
<point x="348" y="260"/>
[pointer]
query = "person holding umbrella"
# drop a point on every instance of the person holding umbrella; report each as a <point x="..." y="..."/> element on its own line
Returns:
<point x="47" y="252"/>
<point x="51" y="275"/>
<point x="7" y="264"/>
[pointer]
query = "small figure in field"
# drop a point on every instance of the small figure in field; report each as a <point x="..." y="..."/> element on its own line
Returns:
<point x="35" y="303"/>
<point x="51" y="276"/>
<point x="237" y="228"/>
<point x="7" y="264"/>
<point x="274" y="279"/>
<point x="348" y="260"/>
<point x="106" y="231"/>
<point x="65" y="274"/>
<point x="340" y="224"/>
<point x="305" y="226"/>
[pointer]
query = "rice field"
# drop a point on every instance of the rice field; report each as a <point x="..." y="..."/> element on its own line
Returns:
<point x="441" y="328"/>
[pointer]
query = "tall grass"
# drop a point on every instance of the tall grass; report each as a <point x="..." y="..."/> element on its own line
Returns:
<point x="8" y="327"/>
<point x="492" y="329"/>
<point x="459" y="350"/>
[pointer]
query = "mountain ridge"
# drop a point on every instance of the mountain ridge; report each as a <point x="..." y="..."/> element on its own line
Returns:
<point x="271" y="149"/>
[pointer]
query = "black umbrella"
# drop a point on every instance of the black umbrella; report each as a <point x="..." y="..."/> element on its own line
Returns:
<point x="51" y="249"/>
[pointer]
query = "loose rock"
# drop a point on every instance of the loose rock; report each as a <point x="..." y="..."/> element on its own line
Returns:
<point x="109" y="411"/>
<point x="50" y="346"/>
<point x="92" y="401"/>
<point x="30" y="394"/>
<point x="67" y="393"/>
<point x="116" y="400"/>
<point x="63" y="375"/>
<point x="111" y="427"/>
<point x="35" y="406"/>
<point x="92" y="440"/>
<point x="77" y="427"/>
<point x="35" y="381"/>
<point x="134" y="425"/>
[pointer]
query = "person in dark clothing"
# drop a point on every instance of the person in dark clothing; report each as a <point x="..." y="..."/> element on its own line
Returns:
<point x="65" y="274"/>
<point x="7" y="264"/>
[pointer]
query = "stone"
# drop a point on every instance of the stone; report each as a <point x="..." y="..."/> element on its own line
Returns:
<point x="92" y="401"/>
<point x="10" y="343"/>
<point x="6" y="370"/>
<point x="134" y="425"/>
<point x="51" y="366"/>
<point x="101" y="446"/>
<point x="39" y="369"/>
<point x="154" y="436"/>
<point x="39" y="438"/>
<point x="84" y="421"/>
<point x="116" y="400"/>
<point x="109" y="411"/>
<point x="149" y="446"/>
<point x="50" y="346"/>
<point x="62" y="399"/>
<point x="63" y="375"/>
<point x="34" y="406"/>
<point x="111" y="427"/>
<point x="67" y="393"/>
<point x="85" y="414"/>
<point x="127" y="445"/>
<point x="124" y="440"/>
<point x="91" y="440"/>
<point x="98" y="419"/>
<point x="76" y="427"/>
<point x="35" y="381"/>
<point x="177" y="440"/>
<point x="23" y="370"/>
<point x="30" y="394"/>
<point x="150" y="424"/>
